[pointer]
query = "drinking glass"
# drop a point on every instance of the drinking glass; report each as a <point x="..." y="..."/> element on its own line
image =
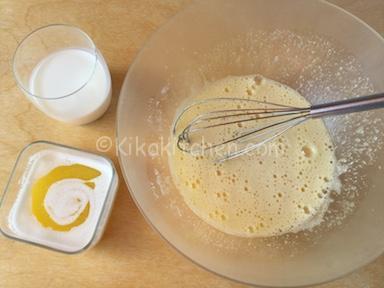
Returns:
<point x="60" y="70"/>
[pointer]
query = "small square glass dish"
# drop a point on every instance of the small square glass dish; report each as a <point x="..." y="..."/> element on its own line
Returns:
<point x="58" y="197"/>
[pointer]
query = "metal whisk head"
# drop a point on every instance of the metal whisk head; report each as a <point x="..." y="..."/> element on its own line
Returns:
<point x="235" y="126"/>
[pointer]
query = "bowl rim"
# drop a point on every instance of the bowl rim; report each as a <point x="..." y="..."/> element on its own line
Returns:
<point x="125" y="171"/>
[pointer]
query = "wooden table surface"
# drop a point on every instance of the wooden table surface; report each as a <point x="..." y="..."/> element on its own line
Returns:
<point x="130" y="254"/>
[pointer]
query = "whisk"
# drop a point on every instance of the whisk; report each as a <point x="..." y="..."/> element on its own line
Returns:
<point x="232" y="131"/>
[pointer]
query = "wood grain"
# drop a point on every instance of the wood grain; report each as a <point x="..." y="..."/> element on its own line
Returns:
<point x="130" y="254"/>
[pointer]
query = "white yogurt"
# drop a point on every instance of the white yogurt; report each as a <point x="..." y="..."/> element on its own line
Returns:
<point x="77" y="73"/>
<point x="59" y="205"/>
<point x="66" y="199"/>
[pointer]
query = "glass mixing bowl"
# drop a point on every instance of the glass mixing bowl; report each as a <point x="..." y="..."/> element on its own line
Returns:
<point x="313" y="46"/>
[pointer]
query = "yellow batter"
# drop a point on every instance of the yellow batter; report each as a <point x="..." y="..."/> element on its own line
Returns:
<point x="262" y="194"/>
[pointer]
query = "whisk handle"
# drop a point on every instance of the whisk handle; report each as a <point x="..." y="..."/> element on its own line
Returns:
<point x="352" y="105"/>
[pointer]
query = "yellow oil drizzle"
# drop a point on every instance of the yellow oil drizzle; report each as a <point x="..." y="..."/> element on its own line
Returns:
<point x="40" y="190"/>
